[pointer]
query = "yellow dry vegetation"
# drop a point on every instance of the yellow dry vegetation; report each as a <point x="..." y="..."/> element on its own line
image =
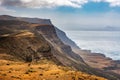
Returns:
<point x="43" y="70"/>
<point x="25" y="34"/>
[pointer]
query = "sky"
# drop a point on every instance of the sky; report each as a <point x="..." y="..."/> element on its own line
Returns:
<point x="67" y="14"/>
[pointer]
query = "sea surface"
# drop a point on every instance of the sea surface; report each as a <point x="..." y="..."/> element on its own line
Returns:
<point x="105" y="42"/>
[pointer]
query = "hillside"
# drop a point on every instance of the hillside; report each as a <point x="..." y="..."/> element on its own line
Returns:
<point x="28" y="41"/>
<point x="13" y="66"/>
<point x="42" y="70"/>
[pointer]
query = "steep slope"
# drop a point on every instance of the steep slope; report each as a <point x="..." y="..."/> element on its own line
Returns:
<point x="95" y="60"/>
<point x="29" y="41"/>
<point x="51" y="37"/>
<point x="65" y="39"/>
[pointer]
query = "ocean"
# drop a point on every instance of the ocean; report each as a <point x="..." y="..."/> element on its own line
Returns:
<point x="105" y="42"/>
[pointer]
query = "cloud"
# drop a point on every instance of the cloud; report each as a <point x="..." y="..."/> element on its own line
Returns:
<point x="113" y="3"/>
<point x="43" y="3"/>
<point x="54" y="3"/>
<point x="3" y="9"/>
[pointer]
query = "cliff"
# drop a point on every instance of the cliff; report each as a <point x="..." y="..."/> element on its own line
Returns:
<point x="32" y="41"/>
<point x="63" y="37"/>
<point x="95" y="60"/>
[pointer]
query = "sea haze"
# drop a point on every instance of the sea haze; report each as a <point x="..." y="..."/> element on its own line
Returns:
<point x="106" y="42"/>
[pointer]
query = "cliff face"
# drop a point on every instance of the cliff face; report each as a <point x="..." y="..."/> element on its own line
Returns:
<point x="49" y="34"/>
<point x="34" y="40"/>
<point x="95" y="60"/>
<point x="66" y="40"/>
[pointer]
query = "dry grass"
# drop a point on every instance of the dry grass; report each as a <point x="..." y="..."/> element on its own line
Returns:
<point x="44" y="70"/>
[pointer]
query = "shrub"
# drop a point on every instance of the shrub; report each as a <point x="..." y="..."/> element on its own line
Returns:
<point x="28" y="59"/>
